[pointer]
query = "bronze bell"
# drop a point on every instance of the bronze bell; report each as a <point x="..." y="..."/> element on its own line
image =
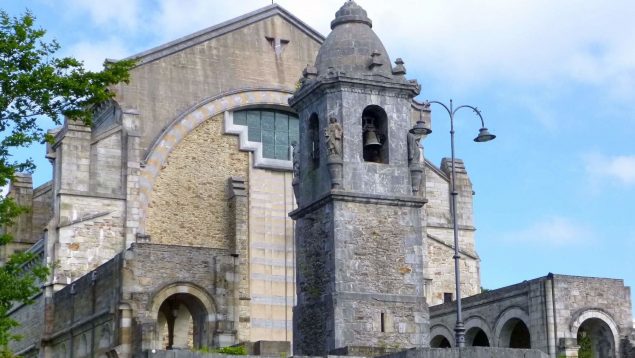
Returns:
<point x="370" y="138"/>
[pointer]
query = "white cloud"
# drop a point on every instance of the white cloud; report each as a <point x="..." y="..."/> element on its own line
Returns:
<point x="93" y="53"/>
<point x="553" y="231"/>
<point x="120" y="13"/>
<point x="618" y="169"/>
<point x="466" y="43"/>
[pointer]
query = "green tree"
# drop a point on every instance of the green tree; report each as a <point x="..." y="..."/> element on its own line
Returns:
<point x="36" y="85"/>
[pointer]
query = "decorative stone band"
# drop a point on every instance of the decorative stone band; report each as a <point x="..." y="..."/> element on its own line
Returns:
<point x="182" y="125"/>
<point x="341" y="195"/>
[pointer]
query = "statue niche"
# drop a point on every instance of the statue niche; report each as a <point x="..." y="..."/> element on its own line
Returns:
<point x="374" y="134"/>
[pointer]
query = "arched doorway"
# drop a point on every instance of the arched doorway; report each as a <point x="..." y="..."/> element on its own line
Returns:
<point x="476" y="337"/>
<point x="184" y="316"/>
<point x="515" y="334"/>
<point x="595" y="339"/>
<point x="440" y="342"/>
<point x="181" y="322"/>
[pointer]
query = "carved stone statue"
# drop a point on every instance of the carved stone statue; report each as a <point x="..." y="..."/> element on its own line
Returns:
<point x="414" y="162"/>
<point x="333" y="134"/>
<point x="295" y="182"/>
<point x="414" y="153"/>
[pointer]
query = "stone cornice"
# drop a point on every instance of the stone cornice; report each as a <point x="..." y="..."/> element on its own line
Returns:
<point x="364" y="198"/>
<point x="343" y="83"/>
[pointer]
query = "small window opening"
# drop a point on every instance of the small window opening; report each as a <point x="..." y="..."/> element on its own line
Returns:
<point x="382" y="323"/>
<point x="447" y="297"/>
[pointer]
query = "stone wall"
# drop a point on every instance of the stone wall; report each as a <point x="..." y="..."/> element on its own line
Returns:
<point x="31" y="318"/>
<point x="84" y="314"/>
<point x="189" y="203"/>
<point x="271" y="252"/>
<point x="90" y="232"/>
<point x="166" y="83"/>
<point x="155" y="272"/>
<point x="553" y="308"/>
<point x="437" y="221"/>
<point x="472" y="352"/>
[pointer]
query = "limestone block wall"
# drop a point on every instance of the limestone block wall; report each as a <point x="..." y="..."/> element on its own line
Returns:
<point x="154" y="272"/>
<point x="31" y="318"/>
<point x="576" y="294"/>
<point x="107" y="164"/>
<point x="437" y="221"/>
<point x="42" y="209"/>
<point x="228" y="57"/>
<point x="189" y="203"/>
<point x="271" y="255"/>
<point x="90" y="232"/>
<point x="440" y="268"/>
<point x="21" y="190"/>
<point x="490" y="312"/>
<point x="84" y="315"/>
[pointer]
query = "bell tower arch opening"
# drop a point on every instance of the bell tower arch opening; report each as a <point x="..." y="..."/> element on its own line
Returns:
<point x="375" y="134"/>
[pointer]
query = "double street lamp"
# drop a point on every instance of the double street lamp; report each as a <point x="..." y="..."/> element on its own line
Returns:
<point x="483" y="136"/>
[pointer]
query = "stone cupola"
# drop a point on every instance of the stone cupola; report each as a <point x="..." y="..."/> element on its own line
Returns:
<point x="353" y="48"/>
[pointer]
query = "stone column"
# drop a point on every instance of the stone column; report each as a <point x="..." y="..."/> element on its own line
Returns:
<point x="132" y="160"/>
<point x="239" y="203"/>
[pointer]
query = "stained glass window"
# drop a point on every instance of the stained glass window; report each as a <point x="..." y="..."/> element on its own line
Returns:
<point x="276" y="130"/>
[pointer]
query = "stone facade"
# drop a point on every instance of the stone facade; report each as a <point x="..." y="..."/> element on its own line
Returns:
<point x="189" y="201"/>
<point x="167" y="225"/>
<point x="547" y="313"/>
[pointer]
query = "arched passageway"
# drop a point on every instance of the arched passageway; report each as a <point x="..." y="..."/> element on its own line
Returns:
<point x="595" y="339"/>
<point x="440" y="342"/>
<point x="181" y="322"/>
<point x="515" y="334"/>
<point x="476" y="337"/>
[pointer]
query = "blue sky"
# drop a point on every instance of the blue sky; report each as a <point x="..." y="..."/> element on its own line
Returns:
<point x="555" y="81"/>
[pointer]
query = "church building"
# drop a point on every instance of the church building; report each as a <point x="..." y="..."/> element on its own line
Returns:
<point x="172" y="221"/>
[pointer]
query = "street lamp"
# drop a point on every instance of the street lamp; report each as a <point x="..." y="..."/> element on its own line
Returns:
<point x="483" y="136"/>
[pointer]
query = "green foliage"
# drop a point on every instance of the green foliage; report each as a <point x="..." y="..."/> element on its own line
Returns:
<point x="584" y="341"/>
<point x="34" y="84"/>
<point x="233" y="350"/>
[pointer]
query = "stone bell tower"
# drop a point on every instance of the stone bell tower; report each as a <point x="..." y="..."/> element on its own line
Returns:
<point x="359" y="245"/>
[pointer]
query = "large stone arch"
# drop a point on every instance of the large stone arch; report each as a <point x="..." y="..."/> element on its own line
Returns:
<point x="472" y="325"/>
<point x="589" y="314"/>
<point x="184" y="124"/>
<point x="502" y="330"/>
<point x="439" y="332"/>
<point x="200" y="305"/>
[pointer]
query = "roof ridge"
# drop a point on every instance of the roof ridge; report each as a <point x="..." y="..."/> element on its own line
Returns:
<point x="222" y="28"/>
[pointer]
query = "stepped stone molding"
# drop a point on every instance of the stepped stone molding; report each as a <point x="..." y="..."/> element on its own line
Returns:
<point x="170" y="138"/>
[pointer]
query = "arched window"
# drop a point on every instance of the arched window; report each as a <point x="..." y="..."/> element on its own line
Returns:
<point x="275" y="129"/>
<point x="314" y="139"/>
<point x="375" y="134"/>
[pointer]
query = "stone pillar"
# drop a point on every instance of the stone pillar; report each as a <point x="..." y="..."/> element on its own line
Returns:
<point x="74" y="157"/>
<point x="124" y="348"/>
<point x="133" y="153"/>
<point x="21" y="190"/>
<point x="238" y="201"/>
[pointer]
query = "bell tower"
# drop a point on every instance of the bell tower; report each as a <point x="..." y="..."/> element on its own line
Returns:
<point x="357" y="174"/>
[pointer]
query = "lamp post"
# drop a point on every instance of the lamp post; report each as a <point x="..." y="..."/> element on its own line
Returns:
<point x="483" y="136"/>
